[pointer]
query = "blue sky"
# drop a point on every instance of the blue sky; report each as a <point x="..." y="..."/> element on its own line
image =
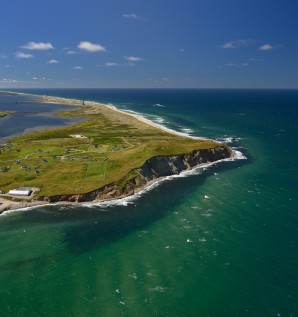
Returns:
<point x="149" y="43"/>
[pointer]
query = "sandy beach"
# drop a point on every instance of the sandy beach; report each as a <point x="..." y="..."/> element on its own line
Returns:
<point x="95" y="105"/>
<point x="80" y="103"/>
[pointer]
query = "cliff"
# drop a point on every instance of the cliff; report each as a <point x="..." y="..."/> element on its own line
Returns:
<point x="152" y="170"/>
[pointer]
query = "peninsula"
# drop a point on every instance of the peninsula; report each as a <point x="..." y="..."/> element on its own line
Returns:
<point x="111" y="154"/>
<point x="5" y="113"/>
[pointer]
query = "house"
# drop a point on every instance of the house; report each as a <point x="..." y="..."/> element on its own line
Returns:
<point x="21" y="191"/>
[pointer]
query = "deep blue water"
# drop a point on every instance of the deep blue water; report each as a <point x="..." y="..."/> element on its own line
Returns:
<point x="30" y="115"/>
<point x="172" y="251"/>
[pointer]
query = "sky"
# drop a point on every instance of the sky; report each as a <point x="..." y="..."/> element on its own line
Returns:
<point x="149" y="44"/>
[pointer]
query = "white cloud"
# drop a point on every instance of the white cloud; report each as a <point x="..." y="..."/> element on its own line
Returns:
<point x="38" y="46"/>
<point x="238" y="43"/>
<point x="110" y="64"/>
<point x="255" y="60"/>
<point x="131" y="16"/>
<point x="53" y="61"/>
<point x="71" y="53"/>
<point x="133" y="58"/>
<point x="7" y="80"/>
<point x="78" y="67"/>
<point x="266" y="47"/>
<point x="23" y="55"/>
<point x="91" y="47"/>
<point x="237" y="65"/>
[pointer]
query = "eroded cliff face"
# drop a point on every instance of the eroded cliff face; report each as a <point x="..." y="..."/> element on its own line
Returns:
<point x="153" y="169"/>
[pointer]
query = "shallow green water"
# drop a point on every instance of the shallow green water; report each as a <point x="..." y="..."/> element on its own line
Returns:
<point x="221" y="242"/>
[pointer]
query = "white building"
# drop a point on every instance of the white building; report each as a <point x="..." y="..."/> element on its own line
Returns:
<point x="21" y="191"/>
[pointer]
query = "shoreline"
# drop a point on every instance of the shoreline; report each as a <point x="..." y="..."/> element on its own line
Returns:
<point x="79" y="103"/>
<point x="76" y="102"/>
<point x="9" y="206"/>
<point x="19" y="206"/>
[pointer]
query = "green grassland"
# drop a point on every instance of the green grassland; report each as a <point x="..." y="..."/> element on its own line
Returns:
<point x="115" y="143"/>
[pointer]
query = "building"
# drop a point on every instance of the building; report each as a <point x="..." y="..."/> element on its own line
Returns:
<point x="21" y="191"/>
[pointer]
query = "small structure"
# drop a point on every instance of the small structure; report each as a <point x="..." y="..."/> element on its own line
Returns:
<point x="21" y="191"/>
<point x="78" y="136"/>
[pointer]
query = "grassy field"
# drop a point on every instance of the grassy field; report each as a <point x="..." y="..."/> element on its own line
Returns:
<point x="113" y="144"/>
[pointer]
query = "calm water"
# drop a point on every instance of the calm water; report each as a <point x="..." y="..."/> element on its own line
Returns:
<point x="172" y="252"/>
<point x="30" y="115"/>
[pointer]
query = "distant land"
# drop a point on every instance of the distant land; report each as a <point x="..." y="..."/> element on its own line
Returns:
<point x="5" y="113"/>
<point x="110" y="155"/>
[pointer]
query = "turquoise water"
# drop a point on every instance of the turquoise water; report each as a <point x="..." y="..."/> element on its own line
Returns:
<point x="220" y="242"/>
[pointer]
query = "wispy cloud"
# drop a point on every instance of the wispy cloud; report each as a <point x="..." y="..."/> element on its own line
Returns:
<point x="78" y="67"/>
<point x="252" y="59"/>
<point x="8" y="80"/>
<point x="91" y="47"/>
<point x="23" y="55"/>
<point x="132" y="16"/>
<point x="266" y="47"/>
<point x="133" y="58"/>
<point x="38" y="46"/>
<point x="2" y="55"/>
<point x="238" y="43"/>
<point x="111" y="64"/>
<point x="237" y="65"/>
<point x="52" y="61"/>
<point x="71" y="52"/>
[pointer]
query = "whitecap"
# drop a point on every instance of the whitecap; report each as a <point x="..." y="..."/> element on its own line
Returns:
<point x="158" y="105"/>
<point x="159" y="289"/>
<point x="207" y="215"/>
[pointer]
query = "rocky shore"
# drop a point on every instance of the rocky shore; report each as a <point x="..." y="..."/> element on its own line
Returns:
<point x="153" y="170"/>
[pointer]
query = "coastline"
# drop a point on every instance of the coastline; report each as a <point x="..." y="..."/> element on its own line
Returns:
<point x="79" y="103"/>
<point x="15" y="206"/>
<point x="76" y="102"/>
<point x="9" y="206"/>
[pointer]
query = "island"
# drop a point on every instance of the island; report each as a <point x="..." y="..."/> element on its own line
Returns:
<point x="111" y="154"/>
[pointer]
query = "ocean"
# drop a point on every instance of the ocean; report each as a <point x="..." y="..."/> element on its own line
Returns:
<point x="221" y="241"/>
